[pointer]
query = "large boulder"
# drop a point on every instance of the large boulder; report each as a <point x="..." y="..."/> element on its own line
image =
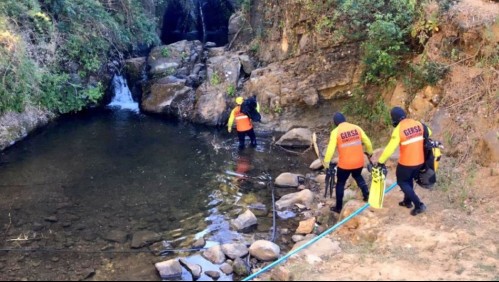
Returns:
<point x="265" y="250"/>
<point x="134" y="69"/>
<point x="305" y="197"/>
<point x="168" y="95"/>
<point x="14" y="126"/>
<point x="296" y="138"/>
<point x="213" y="94"/>
<point x="169" y="59"/>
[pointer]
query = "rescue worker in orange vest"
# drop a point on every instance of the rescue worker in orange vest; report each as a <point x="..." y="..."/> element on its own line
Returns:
<point x="409" y="135"/>
<point x="244" y="126"/>
<point x="349" y="139"/>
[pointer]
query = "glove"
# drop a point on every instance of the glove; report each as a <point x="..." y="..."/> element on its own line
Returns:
<point x="383" y="168"/>
<point x="229" y="129"/>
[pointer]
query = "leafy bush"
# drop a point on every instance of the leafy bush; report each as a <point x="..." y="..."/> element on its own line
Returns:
<point x="44" y="43"/>
<point x="231" y="90"/>
<point x="376" y="111"/>
<point x="215" y="79"/>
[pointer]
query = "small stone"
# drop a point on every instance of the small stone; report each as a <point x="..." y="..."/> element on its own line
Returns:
<point x="281" y="274"/>
<point x="215" y="275"/>
<point x="306" y="226"/>
<point x="297" y="238"/>
<point x="195" y="269"/>
<point x="240" y="268"/>
<point x="38" y="226"/>
<point x="226" y="269"/>
<point x="55" y="259"/>
<point x="215" y="255"/>
<point x="87" y="273"/>
<point x="51" y="219"/>
<point x="169" y="269"/>
<point x="66" y="224"/>
<point x="116" y="236"/>
<point x="199" y="244"/>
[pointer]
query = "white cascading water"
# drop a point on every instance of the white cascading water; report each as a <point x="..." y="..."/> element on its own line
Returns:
<point x="122" y="96"/>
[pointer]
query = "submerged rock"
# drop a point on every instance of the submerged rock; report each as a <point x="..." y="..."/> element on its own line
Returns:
<point x="144" y="238"/>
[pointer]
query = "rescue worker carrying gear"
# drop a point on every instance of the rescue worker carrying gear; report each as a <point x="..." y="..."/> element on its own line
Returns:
<point x="244" y="126"/>
<point x="349" y="139"/>
<point x="409" y="135"/>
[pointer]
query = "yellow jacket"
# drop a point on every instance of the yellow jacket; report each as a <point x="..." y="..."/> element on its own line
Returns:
<point x="393" y="144"/>
<point x="333" y="141"/>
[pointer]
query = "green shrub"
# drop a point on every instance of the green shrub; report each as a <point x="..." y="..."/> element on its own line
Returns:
<point x="376" y="112"/>
<point x="215" y="79"/>
<point x="87" y="33"/>
<point x="231" y="90"/>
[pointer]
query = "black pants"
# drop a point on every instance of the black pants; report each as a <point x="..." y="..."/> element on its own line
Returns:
<point x="242" y="136"/>
<point x="405" y="179"/>
<point x="343" y="175"/>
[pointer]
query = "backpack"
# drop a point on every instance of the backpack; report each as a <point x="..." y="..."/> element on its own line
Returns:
<point x="427" y="176"/>
<point x="249" y="108"/>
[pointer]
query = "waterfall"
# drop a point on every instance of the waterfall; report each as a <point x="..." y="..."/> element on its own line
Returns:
<point x="122" y="96"/>
<point x="201" y="14"/>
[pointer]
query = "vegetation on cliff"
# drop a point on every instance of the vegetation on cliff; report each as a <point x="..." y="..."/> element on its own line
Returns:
<point x="53" y="53"/>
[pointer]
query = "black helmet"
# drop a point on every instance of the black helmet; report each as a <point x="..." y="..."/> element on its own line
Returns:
<point x="339" y="118"/>
<point x="398" y="114"/>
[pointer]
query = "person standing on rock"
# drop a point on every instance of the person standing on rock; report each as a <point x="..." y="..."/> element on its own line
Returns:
<point x="244" y="126"/>
<point x="349" y="139"/>
<point x="409" y="135"/>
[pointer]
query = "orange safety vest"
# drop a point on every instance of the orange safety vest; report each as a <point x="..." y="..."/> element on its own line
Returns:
<point x="243" y="122"/>
<point x="411" y="143"/>
<point x="350" y="146"/>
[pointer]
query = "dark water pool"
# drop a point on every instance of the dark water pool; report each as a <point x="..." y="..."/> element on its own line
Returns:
<point x="75" y="183"/>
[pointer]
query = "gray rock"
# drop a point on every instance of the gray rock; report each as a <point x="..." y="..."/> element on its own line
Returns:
<point x="87" y="273"/>
<point x="215" y="275"/>
<point x="169" y="269"/>
<point x="199" y="244"/>
<point x="296" y="138"/>
<point x="244" y="221"/>
<point x="240" y="268"/>
<point x="215" y="255"/>
<point x="210" y="44"/>
<point x="195" y="269"/>
<point x="235" y="250"/>
<point x="89" y="236"/>
<point x="265" y="250"/>
<point x="144" y="238"/>
<point x="246" y="63"/>
<point x="288" y="180"/>
<point x="51" y="219"/>
<point x="316" y="165"/>
<point x="159" y="248"/>
<point x="38" y="226"/>
<point x="259" y="209"/>
<point x="117" y="236"/>
<point x="226" y="269"/>
<point x="305" y="197"/>
<point x="297" y="238"/>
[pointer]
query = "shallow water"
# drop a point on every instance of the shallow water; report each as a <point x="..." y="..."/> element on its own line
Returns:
<point x="71" y="184"/>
